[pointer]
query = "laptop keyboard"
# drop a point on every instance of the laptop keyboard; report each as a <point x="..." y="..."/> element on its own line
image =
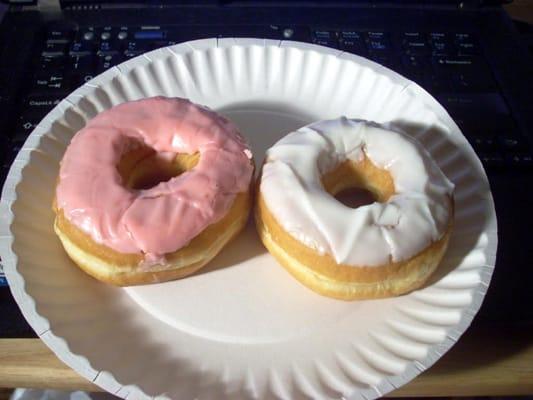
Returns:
<point x="450" y="65"/>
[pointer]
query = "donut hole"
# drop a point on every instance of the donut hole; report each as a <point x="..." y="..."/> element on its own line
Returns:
<point x="359" y="183"/>
<point x="143" y="168"/>
<point x="355" y="197"/>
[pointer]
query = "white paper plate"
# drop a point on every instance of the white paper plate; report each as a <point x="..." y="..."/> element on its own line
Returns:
<point x="243" y="328"/>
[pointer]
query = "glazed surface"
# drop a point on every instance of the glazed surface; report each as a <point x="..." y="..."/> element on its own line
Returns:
<point x="165" y="217"/>
<point x="416" y="215"/>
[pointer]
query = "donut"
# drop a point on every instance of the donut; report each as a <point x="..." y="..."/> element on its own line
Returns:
<point x="151" y="190"/>
<point x="382" y="249"/>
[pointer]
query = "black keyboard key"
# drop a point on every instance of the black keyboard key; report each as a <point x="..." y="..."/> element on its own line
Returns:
<point x="378" y="42"/>
<point x="325" y="38"/>
<point x="81" y="64"/>
<point x="164" y="43"/>
<point x="108" y="47"/>
<point x="471" y="81"/>
<point x="48" y="82"/>
<point x="87" y="34"/>
<point x="378" y="46"/>
<point x="465" y="37"/>
<point x="519" y="160"/>
<point x="51" y="64"/>
<point x="511" y="142"/>
<point x="468" y="74"/>
<point x="24" y="126"/>
<point x="413" y="35"/>
<point x="138" y="46"/>
<point x="492" y="160"/>
<point x="441" y="44"/>
<point x="77" y="80"/>
<point x="353" y="42"/>
<point x="437" y="82"/>
<point x="414" y="43"/>
<point x="378" y="35"/>
<point x="39" y="105"/>
<point x="482" y="142"/>
<point x="132" y="53"/>
<point x="106" y="33"/>
<point x="466" y="44"/>
<point x="415" y="62"/>
<point x="61" y="35"/>
<point x="81" y="70"/>
<point x="415" y="47"/>
<point x="455" y="62"/>
<point x="107" y="61"/>
<point x="414" y="67"/>
<point x="122" y="34"/>
<point x="467" y="49"/>
<point x="82" y="47"/>
<point x="54" y="49"/>
<point x="478" y="105"/>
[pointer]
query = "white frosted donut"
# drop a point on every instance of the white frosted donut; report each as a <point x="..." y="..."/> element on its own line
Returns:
<point x="385" y="248"/>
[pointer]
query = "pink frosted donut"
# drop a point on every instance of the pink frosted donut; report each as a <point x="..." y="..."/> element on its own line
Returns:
<point x="151" y="190"/>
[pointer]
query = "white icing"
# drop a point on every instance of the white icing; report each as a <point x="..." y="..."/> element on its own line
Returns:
<point x="414" y="217"/>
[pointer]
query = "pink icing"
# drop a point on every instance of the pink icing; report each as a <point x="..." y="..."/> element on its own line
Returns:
<point x="166" y="217"/>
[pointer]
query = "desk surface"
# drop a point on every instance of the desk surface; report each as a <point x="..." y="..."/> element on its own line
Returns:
<point x="486" y="360"/>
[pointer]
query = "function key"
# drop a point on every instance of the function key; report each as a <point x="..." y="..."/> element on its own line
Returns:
<point x="48" y="82"/>
<point x="287" y="33"/>
<point x="467" y="48"/>
<point x="414" y="43"/>
<point x="108" y="47"/>
<point x="51" y="63"/>
<point x="520" y="160"/>
<point x="511" y="142"/>
<point x="492" y="159"/>
<point x="466" y="43"/>
<point x="412" y="35"/>
<point x="35" y="108"/>
<point x="80" y="48"/>
<point x="465" y="81"/>
<point x="351" y="36"/>
<point x="441" y="43"/>
<point x="482" y="142"/>
<point x="54" y="49"/>
<point x="137" y="47"/>
<point x="164" y="43"/>
<point x="87" y="34"/>
<point x="59" y="35"/>
<point x="353" y="41"/>
<point x="465" y="37"/>
<point x="80" y="70"/>
<point x="378" y="35"/>
<point x="454" y="62"/>
<point x="415" y="62"/>
<point x="437" y="82"/>
<point x="107" y="61"/>
<point x="105" y="33"/>
<point x="122" y="35"/>
<point x="325" y="38"/>
<point x="378" y="41"/>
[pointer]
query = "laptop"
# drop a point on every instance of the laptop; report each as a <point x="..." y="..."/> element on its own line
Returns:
<point x="468" y="54"/>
